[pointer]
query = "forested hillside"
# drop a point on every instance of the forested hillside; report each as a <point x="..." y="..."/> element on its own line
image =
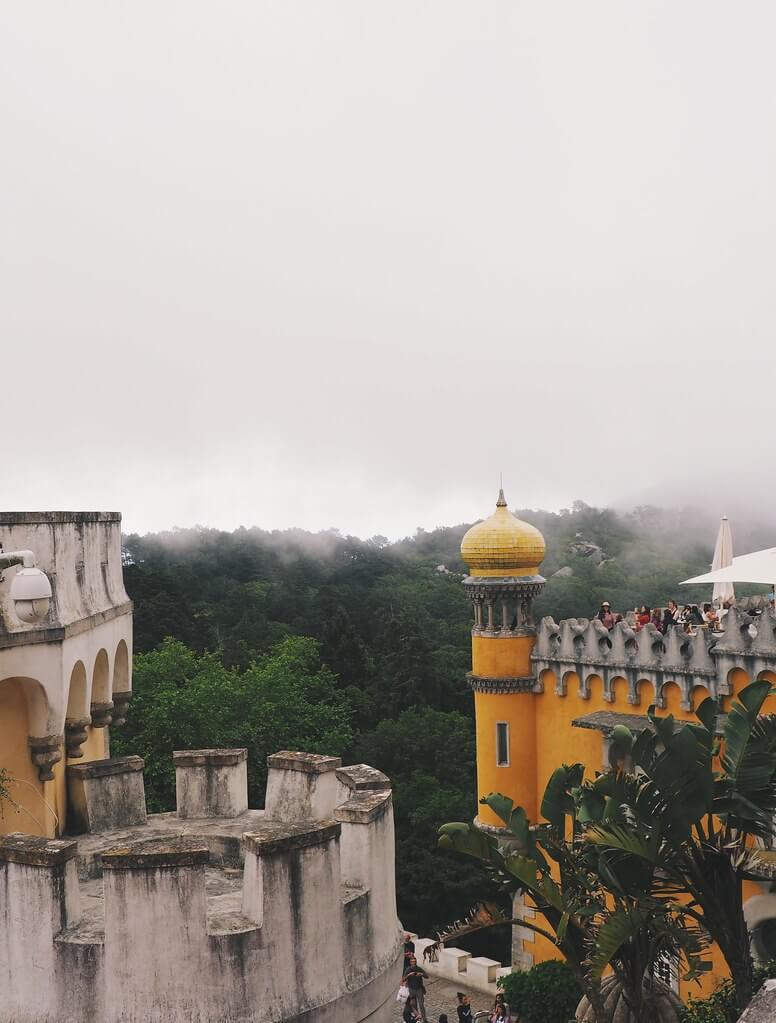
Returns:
<point x="360" y="648"/>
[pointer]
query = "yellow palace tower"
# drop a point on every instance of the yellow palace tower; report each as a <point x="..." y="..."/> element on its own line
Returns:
<point x="503" y="555"/>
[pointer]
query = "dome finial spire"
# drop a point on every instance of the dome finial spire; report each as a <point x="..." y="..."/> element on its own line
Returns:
<point x="502" y="501"/>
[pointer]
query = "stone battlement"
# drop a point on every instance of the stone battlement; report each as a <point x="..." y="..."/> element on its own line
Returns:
<point x="214" y="912"/>
<point x="585" y="648"/>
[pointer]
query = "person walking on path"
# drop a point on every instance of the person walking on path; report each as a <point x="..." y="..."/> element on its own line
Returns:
<point x="414" y="976"/>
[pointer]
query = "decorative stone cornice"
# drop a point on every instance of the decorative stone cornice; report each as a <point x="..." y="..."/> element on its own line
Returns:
<point x="487" y="588"/>
<point x="75" y="736"/>
<point x="488" y="684"/>
<point x="45" y="751"/>
<point x="585" y="648"/>
<point x="120" y="708"/>
<point x="102" y="714"/>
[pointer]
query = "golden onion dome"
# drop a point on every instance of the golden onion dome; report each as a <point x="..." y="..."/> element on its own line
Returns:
<point x="503" y="545"/>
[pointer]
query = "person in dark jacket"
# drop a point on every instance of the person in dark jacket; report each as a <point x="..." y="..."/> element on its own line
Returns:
<point x="414" y="976"/>
<point x="464" y="1008"/>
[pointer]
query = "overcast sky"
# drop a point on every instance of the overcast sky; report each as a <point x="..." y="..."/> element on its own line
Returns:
<point x="341" y="263"/>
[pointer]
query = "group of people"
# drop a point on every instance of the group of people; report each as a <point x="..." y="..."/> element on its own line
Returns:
<point x="687" y="618"/>
<point x="413" y="993"/>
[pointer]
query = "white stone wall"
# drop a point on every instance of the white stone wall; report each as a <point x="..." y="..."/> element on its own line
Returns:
<point x="316" y="938"/>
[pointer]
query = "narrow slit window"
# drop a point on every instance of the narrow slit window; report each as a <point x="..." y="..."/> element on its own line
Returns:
<point x="502" y="744"/>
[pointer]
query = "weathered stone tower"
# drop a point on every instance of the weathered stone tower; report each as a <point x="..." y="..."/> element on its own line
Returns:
<point x="503" y="555"/>
<point x="65" y="674"/>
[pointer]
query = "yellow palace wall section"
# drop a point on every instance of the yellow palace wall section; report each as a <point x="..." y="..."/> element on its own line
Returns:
<point x="556" y="741"/>
<point x="43" y="804"/>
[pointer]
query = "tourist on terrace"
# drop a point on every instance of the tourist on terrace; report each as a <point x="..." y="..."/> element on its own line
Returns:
<point x="710" y="616"/>
<point x="409" y="949"/>
<point x="605" y="615"/>
<point x="670" y="616"/>
<point x="643" y="617"/>
<point x="657" y="619"/>
<point x="464" y="1008"/>
<point x="413" y="978"/>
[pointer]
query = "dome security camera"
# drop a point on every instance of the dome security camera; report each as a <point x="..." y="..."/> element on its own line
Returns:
<point x="31" y="593"/>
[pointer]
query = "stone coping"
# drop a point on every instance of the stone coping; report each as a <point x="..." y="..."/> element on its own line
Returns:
<point x="364" y="807"/>
<point x="285" y="838"/>
<point x="30" y="518"/>
<point x="605" y="721"/>
<point x="308" y="763"/>
<point x="362" y="777"/>
<point x="505" y="684"/>
<point x="36" y="852"/>
<point x="105" y="768"/>
<point x="501" y="580"/>
<point x="209" y="757"/>
<point x="182" y="851"/>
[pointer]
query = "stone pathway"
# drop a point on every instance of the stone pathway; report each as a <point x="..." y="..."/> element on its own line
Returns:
<point x="440" y="997"/>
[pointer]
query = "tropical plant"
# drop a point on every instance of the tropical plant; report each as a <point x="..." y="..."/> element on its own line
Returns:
<point x="695" y="806"/>
<point x="720" y="1006"/>
<point x="599" y="905"/>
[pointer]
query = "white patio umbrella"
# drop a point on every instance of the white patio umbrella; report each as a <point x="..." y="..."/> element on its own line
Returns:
<point x="723" y="557"/>
<point x="757" y="567"/>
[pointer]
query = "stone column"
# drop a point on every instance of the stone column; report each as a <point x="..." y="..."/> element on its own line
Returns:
<point x="106" y="794"/>
<point x="301" y="786"/>
<point x="39" y="896"/>
<point x="211" y="782"/>
<point x="292" y="888"/>
<point x="367" y="852"/>
<point x="156" y="942"/>
<point x="489" y="604"/>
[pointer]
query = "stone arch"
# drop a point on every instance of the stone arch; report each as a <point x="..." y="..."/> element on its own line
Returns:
<point x="587" y="683"/>
<point x="27" y="724"/>
<point x="548" y="681"/>
<point x="673" y="696"/>
<point x="78" y="718"/>
<point x="78" y="692"/>
<point x="567" y="678"/>
<point x="26" y="786"/>
<point x="122" y="683"/>
<point x="40" y="721"/>
<point x="698" y="695"/>
<point x="646" y="693"/>
<point x="595" y="687"/>
<point x="121" y="679"/>
<point x="618" y="691"/>
<point x="102" y="704"/>
<point x="737" y="679"/>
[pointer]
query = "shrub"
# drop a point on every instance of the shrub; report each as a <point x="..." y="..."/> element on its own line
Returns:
<point x="720" y="1006"/>
<point x="547" y="993"/>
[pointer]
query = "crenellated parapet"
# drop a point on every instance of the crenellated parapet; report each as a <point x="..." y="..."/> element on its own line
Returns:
<point x="215" y="912"/>
<point x="586" y="649"/>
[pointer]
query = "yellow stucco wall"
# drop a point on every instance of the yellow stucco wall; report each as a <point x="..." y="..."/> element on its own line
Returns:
<point x="94" y="747"/>
<point x="27" y="791"/>
<point x="557" y="742"/>
<point x="518" y="780"/>
<point x="502" y="657"/>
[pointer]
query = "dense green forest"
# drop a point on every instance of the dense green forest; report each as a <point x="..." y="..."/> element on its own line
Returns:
<point x="360" y="648"/>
